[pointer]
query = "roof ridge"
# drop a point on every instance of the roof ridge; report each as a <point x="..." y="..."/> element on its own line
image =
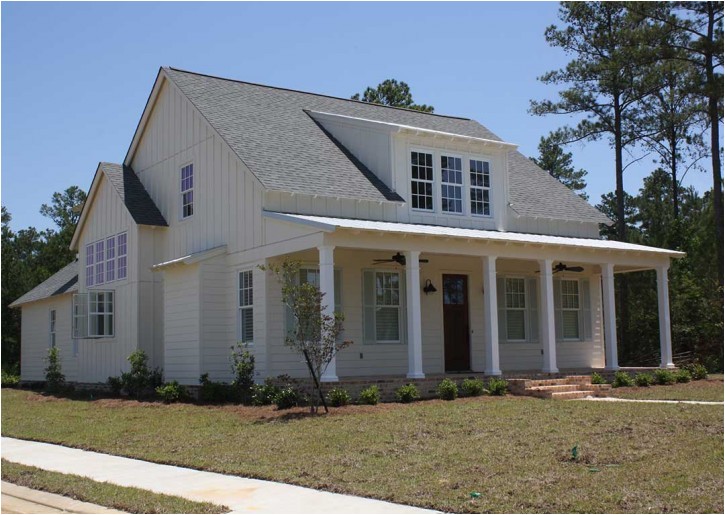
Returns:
<point x="318" y="94"/>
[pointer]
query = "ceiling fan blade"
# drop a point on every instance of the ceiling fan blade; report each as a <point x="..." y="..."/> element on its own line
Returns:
<point x="422" y="260"/>
<point x="575" y="268"/>
<point x="383" y="260"/>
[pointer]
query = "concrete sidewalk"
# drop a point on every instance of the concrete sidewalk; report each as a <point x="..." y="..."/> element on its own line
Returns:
<point x="239" y="494"/>
<point x="19" y="499"/>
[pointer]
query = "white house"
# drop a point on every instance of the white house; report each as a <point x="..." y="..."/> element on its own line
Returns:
<point x="382" y="205"/>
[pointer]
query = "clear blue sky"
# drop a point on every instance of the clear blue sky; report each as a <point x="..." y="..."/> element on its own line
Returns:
<point x="75" y="77"/>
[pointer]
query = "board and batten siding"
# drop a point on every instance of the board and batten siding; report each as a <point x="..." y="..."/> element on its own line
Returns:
<point x="182" y="324"/>
<point x="227" y="197"/>
<point x="35" y="338"/>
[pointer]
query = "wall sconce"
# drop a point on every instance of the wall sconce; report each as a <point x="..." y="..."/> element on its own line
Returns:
<point x="429" y="288"/>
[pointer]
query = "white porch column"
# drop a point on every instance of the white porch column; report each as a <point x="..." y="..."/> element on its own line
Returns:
<point x="327" y="286"/>
<point x="490" y="310"/>
<point x="663" y="303"/>
<point x="415" y="337"/>
<point x="547" y="327"/>
<point x="610" y="317"/>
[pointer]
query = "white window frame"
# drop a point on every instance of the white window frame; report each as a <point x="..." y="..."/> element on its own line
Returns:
<point x="577" y="310"/>
<point x="111" y="264"/>
<point x="400" y="306"/>
<point x="523" y="309"/>
<point x="483" y="189"/>
<point x="432" y="182"/>
<point x="104" y="314"/>
<point x="183" y="192"/>
<point x="52" y="321"/>
<point x="461" y="186"/>
<point x="245" y="303"/>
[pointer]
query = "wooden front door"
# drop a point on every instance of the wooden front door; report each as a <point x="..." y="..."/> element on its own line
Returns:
<point x="455" y="323"/>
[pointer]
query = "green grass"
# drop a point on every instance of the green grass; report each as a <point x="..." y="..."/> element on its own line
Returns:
<point x="515" y="451"/>
<point x="132" y="500"/>
<point x="705" y="390"/>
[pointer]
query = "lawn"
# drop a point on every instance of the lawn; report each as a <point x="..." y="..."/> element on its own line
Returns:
<point x="706" y="390"/>
<point x="131" y="500"/>
<point x="515" y="452"/>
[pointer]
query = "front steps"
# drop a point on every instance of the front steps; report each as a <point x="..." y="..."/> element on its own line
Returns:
<point x="565" y="388"/>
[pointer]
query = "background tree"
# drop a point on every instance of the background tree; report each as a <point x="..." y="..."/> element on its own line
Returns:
<point x="558" y="163"/>
<point x="390" y="92"/>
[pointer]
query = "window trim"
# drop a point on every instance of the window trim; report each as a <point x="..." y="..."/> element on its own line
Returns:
<point x="246" y="307"/>
<point x="432" y="182"/>
<point x="524" y="310"/>
<point x="93" y="266"/>
<point x="578" y="310"/>
<point x="462" y="185"/>
<point x="183" y="192"/>
<point x="52" y="327"/>
<point x="471" y="187"/>
<point x="401" y="306"/>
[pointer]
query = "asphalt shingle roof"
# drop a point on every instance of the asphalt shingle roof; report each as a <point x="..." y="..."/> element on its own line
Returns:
<point x="269" y="129"/>
<point x="142" y="208"/>
<point x="64" y="280"/>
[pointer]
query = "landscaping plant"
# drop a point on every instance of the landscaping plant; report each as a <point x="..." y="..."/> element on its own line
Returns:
<point x="683" y="376"/>
<point x="598" y="379"/>
<point x="407" y="393"/>
<point x="139" y="380"/>
<point x="447" y="390"/>
<point x="287" y="397"/>
<point x="264" y="394"/>
<point x="622" y="379"/>
<point x="643" y="379"/>
<point x="370" y="395"/>
<point x="696" y="370"/>
<point x="472" y="387"/>
<point x="497" y="386"/>
<point x="338" y="397"/>
<point x="10" y="378"/>
<point x="215" y="392"/>
<point x="664" y="376"/>
<point x="54" y="378"/>
<point x="172" y="392"/>
<point x="243" y="370"/>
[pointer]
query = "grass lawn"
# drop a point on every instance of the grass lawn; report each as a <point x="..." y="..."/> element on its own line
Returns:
<point x="706" y="390"/>
<point x="132" y="500"/>
<point x="515" y="451"/>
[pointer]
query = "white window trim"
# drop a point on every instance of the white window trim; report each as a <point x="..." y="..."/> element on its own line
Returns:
<point x="112" y="313"/>
<point x="52" y="329"/>
<point x="183" y="218"/>
<point x="433" y="183"/>
<point x="464" y="196"/>
<point x="475" y="157"/>
<point x="401" y="305"/>
<point x="524" y="310"/>
<point x="578" y="310"/>
<point x="116" y="259"/>
<point x="240" y="308"/>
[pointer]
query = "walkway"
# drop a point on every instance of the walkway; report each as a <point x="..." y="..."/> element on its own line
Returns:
<point x="19" y="499"/>
<point x="239" y="494"/>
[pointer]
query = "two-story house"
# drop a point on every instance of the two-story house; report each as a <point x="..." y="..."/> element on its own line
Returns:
<point x="445" y="248"/>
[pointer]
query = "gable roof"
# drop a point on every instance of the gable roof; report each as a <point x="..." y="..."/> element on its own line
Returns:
<point x="63" y="281"/>
<point x="134" y="196"/>
<point x="272" y="132"/>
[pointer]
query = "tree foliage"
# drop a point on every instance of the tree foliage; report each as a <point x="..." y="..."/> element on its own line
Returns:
<point x="390" y="92"/>
<point x="558" y="163"/>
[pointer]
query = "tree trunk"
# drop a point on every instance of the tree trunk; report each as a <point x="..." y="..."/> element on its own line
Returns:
<point x="673" y="167"/>
<point x="623" y="310"/>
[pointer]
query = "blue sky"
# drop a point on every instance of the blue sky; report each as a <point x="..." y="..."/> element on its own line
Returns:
<point x="75" y="76"/>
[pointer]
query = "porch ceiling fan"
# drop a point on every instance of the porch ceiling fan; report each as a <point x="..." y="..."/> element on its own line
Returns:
<point x="561" y="267"/>
<point x="397" y="258"/>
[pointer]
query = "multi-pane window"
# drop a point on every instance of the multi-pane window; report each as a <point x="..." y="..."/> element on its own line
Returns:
<point x="187" y="191"/>
<point x="110" y="259"/>
<point x="100" y="263"/>
<point x="90" y="268"/>
<point x="480" y="188"/>
<point x="570" y="307"/>
<point x="421" y="184"/>
<point x="122" y="251"/>
<point x="246" y="307"/>
<point x="387" y="307"/>
<point x="100" y="314"/>
<point x="106" y="260"/>
<point x="451" y="185"/>
<point x="52" y="328"/>
<point x="515" y="309"/>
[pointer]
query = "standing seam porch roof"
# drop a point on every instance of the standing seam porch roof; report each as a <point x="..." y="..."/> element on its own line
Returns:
<point x="271" y="132"/>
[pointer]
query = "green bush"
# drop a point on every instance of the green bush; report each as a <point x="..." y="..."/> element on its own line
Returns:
<point x="10" y="379"/>
<point x="338" y="397"/>
<point x="664" y="376"/>
<point x="54" y="378"/>
<point x="215" y="392"/>
<point x="264" y="394"/>
<point x="115" y="385"/>
<point x="243" y="371"/>
<point x="696" y="370"/>
<point x="472" y="387"/>
<point x="643" y="379"/>
<point x="287" y="397"/>
<point x="370" y="395"/>
<point x="172" y="392"/>
<point x="683" y="376"/>
<point x="407" y="393"/>
<point x="447" y="390"/>
<point x="497" y="386"/>
<point x="622" y="379"/>
<point x="598" y="379"/>
<point x="140" y="379"/>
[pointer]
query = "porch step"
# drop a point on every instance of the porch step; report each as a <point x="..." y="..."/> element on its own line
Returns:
<point x="570" y="387"/>
<point x="577" y="394"/>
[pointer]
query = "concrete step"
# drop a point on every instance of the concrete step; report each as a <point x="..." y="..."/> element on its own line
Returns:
<point x="554" y="388"/>
<point x="529" y="383"/>
<point x="578" y="394"/>
<point x="579" y="379"/>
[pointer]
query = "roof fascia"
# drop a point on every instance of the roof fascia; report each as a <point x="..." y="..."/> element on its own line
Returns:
<point x="86" y="207"/>
<point x="192" y="259"/>
<point x="283" y="217"/>
<point x="145" y="115"/>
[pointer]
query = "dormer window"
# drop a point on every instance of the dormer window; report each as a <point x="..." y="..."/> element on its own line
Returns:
<point x="421" y="185"/>
<point x="451" y="185"/>
<point x="480" y="188"/>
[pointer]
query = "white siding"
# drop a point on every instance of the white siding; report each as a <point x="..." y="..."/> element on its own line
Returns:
<point x="182" y="324"/>
<point x="218" y="322"/>
<point x="35" y="338"/>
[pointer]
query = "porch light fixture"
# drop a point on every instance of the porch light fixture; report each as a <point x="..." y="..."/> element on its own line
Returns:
<point x="429" y="288"/>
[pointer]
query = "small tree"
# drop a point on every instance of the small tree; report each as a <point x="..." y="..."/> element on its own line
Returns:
<point x="54" y="378"/>
<point x="316" y="333"/>
<point x="243" y="370"/>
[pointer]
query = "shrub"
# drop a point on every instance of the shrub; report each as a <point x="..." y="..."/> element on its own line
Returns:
<point x="407" y="393"/>
<point x="447" y="390"/>
<point x="10" y="379"/>
<point x="215" y="392"/>
<point x="172" y="392"/>
<point x="683" y="376"/>
<point x="338" y="397"/>
<point x="696" y="370"/>
<point x="664" y="376"/>
<point x="643" y="379"/>
<point x="622" y="379"/>
<point x="370" y="395"/>
<point x="598" y="379"/>
<point x="497" y="386"/>
<point x="115" y="385"/>
<point x="287" y="397"/>
<point x="54" y="378"/>
<point x="243" y="371"/>
<point x="472" y="387"/>
<point x="264" y="394"/>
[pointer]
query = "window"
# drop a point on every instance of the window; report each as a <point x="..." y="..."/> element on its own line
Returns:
<point x="383" y="294"/>
<point x="122" y="252"/>
<point x="246" y="307"/>
<point x="451" y="185"/>
<point x="52" y="328"/>
<point x="93" y="314"/>
<point x="515" y="309"/>
<point x="312" y="276"/>
<point x="570" y="307"/>
<point x="187" y="191"/>
<point x="480" y="188"/>
<point x="90" y="269"/>
<point x="110" y="259"/>
<point x="421" y="185"/>
<point x="106" y="260"/>
<point x="100" y="263"/>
